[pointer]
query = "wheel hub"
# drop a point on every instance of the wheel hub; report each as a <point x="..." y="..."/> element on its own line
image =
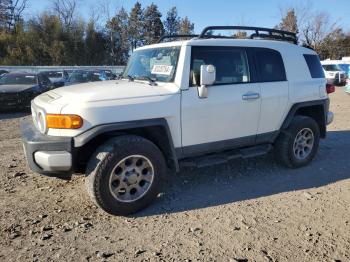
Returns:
<point x="303" y="143"/>
<point x="131" y="178"/>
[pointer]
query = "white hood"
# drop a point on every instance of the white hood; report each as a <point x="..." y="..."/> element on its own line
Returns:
<point x="113" y="90"/>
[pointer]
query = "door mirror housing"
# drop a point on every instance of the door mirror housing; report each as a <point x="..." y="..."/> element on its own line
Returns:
<point x="207" y="78"/>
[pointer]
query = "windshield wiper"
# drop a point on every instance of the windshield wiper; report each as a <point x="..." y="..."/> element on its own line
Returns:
<point x="131" y="78"/>
<point x="151" y="81"/>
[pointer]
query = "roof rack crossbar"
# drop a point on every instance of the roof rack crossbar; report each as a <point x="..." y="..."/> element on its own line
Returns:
<point x="270" y="36"/>
<point x="175" y="36"/>
<point x="268" y="33"/>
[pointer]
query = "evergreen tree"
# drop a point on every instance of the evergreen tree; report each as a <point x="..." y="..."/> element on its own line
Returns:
<point x="172" y="22"/>
<point x="118" y="37"/>
<point x="95" y="43"/>
<point x="154" y="28"/>
<point x="186" y="26"/>
<point x="289" y="22"/>
<point x="136" y="26"/>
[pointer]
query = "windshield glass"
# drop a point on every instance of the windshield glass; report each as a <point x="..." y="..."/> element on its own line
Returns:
<point x="54" y="74"/>
<point x="156" y="63"/>
<point x="79" y="77"/>
<point x="18" y="80"/>
<point x="332" y="68"/>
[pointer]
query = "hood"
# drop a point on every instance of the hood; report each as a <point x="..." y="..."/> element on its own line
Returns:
<point x="113" y="90"/>
<point x="14" y="88"/>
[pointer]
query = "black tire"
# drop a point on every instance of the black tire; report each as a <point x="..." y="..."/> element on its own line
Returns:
<point x="284" y="152"/>
<point x="104" y="160"/>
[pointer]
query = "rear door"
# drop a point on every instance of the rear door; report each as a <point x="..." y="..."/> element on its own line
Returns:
<point x="274" y="91"/>
<point x="229" y="116"/>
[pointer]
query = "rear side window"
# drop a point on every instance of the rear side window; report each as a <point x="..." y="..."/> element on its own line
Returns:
<point x="314" y="65"/>
<point x="270" y="65"/>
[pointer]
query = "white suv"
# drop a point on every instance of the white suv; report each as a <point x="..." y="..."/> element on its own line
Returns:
<point x="192" y="102"/>
<point x="335" y="72"/>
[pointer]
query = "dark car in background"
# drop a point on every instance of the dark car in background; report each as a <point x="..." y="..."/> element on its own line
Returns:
<point x="109" y="74"/>
<point x="18" y="89"/>
<point x="84" y="76"/>
<point x="2" y="72"/>
<point x="79" y="76"/>
<point x="58" y="78"/>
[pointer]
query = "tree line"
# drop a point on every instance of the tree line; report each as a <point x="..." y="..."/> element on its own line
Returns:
<point x="316" y="30"/>
<point x="58" y="36"/>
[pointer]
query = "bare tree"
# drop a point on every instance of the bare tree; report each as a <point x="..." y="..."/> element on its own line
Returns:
<point x="318" y="28"/>
<point x="315" y="29"/>
<point x="66" y="10"/>
<point x="11" y="12"/>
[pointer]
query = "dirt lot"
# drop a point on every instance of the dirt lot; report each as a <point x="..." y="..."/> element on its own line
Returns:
<point x="248" y="210"/>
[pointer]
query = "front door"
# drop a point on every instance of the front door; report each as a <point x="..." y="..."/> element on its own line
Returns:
<point x="229" y="116"/>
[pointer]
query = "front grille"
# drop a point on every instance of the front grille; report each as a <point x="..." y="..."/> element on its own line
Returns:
<point x="10" y="98"/>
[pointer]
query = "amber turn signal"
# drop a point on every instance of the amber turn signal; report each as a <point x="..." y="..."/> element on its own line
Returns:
<point x="63" y="121"/>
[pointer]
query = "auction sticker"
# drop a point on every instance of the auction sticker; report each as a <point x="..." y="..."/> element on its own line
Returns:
<point x="162" y="70"/>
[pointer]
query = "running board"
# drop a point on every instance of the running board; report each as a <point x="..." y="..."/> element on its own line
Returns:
<point x="224" y="157"/>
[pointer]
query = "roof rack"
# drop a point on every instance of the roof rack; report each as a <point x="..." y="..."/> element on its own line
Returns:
<point x="259" y="32"/>
<point x="175" y="36"/>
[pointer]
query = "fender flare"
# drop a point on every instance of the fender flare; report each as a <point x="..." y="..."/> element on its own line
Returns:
<point x="82" y="139"/>
<point x="323" y="102"/>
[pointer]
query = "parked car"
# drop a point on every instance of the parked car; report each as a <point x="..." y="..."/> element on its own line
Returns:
<point x="192" y="102"/>
<point x="58" y="78"/>
<point x="83" y="76"/>
<point x="2" y="72"/>
<point x="334" y="72"/>
<point x="18" y="89"/>
<point x="347" y="86"/>
<point x="109" y="74"/>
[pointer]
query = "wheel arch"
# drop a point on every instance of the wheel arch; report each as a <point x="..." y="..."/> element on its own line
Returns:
<point x="315" y="109"/>
<point x="155" y="130"/>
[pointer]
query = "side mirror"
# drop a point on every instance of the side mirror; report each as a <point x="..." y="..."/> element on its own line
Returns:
<point x="207" y="78"/>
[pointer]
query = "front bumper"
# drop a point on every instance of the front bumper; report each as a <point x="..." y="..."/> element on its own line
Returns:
<point x="10" y="101"/>
<point x="47" y="155"/>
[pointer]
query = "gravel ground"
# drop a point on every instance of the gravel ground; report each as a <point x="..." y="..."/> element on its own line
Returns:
<point x="250" y="210"/>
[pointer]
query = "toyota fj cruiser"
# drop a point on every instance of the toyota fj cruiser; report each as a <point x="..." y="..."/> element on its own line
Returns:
<point x="199" y="101"/>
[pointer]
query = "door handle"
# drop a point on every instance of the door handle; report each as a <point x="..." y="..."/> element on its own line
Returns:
<point x="251" y="96"/>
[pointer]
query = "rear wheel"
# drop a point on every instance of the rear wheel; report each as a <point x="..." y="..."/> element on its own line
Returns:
<point x="298" y="144"/>
<point x="124" y="175"/>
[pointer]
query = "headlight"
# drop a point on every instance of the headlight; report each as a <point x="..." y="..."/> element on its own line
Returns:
<point x="41" y="122"/>
<point x="39" y="118"/>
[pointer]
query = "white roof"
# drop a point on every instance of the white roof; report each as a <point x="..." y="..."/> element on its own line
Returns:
<point x="231" y="42"/>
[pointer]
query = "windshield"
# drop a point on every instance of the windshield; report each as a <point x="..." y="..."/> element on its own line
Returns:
<point x="332" y="68"/>
<point x="18" y="80"/>
<point x="156" y="63"/>
<point x="79" y="77"/>
<point x="54" y="74"/>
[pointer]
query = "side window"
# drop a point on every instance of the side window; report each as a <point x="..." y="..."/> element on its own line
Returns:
<point x="314" y="65"/>
<point x="270" y="65"/>
<point x="231" y="64"/>
<point x="43" y="79"/>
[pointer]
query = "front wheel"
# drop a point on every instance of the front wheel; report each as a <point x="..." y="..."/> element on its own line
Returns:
<point x="298" y="144"/>
<point x="124" y="175"/>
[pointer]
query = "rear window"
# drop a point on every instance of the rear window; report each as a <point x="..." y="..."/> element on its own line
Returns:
<point x="270" y="65"/>
<point x="315" y="67"/>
